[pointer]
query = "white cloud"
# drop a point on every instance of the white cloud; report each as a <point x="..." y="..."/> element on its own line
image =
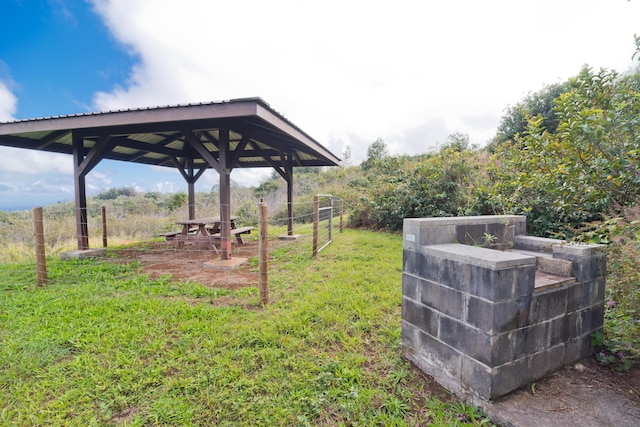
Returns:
<point x="8" y="103"/>
<point x="351" y="72"/>
<point x="169" y="187"/>
<point x="18" y="161"/>
<point x="53" y="186"/>
<point x="97" y="181"/>
<point x="27" y="172"/>
<point x="102" y="178"/>
<point x="245" y="177"/>
<point x="347" y="72"/>
<point x="7" y="187"/>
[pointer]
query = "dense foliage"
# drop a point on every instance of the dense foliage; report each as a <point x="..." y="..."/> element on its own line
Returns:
<point x="587" y="168"/>
<point x="437" y="184"/>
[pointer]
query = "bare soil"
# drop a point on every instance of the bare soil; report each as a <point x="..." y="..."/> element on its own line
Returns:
<point x="186" y="264"/>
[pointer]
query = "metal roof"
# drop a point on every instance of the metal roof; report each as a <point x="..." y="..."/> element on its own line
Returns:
<point x="170" y="135"/>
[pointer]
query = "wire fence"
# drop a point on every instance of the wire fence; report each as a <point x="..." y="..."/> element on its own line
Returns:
<point x="322" y="222"/>
<point x="255" y="246"/>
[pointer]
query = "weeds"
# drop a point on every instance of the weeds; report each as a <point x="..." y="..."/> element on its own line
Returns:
<point x="457" y="414"/>
<point x="616" y="354"/>
<point x="619" y="346"/>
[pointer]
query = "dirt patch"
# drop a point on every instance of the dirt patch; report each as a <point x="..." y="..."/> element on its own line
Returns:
<point x="595" y="376"/>
<point x="186" y="264"/>
<point x="125" y="416"/>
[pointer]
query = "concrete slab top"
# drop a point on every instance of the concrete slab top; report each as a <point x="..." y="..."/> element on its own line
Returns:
<point x="229" y="264"/>
<point x="546" y="281"/>
<point x="460" y="220"/>
<point x="291" y="237"/>
<point x="480" y="257"/>
<point x="83" y="254"/>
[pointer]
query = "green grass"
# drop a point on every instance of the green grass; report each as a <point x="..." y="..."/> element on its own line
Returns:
<point x="105" y="345"/>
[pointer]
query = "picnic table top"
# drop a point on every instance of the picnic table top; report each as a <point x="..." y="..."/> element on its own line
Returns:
<point x="209" y="220"/>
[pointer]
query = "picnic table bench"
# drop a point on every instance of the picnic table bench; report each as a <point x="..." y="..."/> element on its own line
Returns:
<point x="205" y="230"/>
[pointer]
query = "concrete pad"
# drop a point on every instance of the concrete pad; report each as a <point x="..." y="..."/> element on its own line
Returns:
<point x="567" y="400"/>
<point x="289" y="237"/>
<point x="229" y="264"/>
<point x="83" y="254"/>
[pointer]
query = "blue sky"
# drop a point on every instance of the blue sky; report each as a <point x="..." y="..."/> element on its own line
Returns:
<point x="410" y="72"/>
<point x="56" y="54"/>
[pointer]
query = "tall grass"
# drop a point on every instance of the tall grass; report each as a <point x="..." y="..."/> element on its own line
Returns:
<point x="16" y="231"/>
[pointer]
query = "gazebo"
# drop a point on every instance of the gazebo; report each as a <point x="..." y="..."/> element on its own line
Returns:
<point x="239" y="133"/>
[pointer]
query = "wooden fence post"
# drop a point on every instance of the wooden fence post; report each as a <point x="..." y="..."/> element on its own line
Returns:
<point x="103" y="210"/>
<point x="38" y="234"/>
<point x="341" y="212"/>
<point x="264" y="252"/>
<point x="316" y="220"/>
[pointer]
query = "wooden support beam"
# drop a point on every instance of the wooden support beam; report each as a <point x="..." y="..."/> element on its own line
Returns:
<point x="288" y="166"/>
<point x="186" y="169"/>
<point x="191" y="189"/>
<point x="95" y="154"/>
<point x="202" y="150"/>
<point x="82" y="230"/>
<point x="211" y="139"/>
<point x="50" y="139"/>
<point x="285" y="170"/>
<point x="225" y="195"/>
<point x="29" y="143"/>
<point x="239" y="149"/>
<point x="145" y="147"/>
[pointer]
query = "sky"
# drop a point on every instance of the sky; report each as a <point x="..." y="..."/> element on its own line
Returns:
<point x="410" y="72"/>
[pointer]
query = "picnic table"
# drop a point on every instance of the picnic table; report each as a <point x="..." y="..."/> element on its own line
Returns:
<point x="205" y="230"/>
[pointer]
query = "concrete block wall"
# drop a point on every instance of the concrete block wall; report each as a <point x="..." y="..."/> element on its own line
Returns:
<point x="471" y="316"/>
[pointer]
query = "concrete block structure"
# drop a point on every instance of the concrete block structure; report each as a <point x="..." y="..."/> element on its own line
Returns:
<point x="487" y="309"/>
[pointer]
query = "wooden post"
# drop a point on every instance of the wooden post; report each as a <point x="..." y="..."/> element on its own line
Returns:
<point x="191" y="189"/>
<point x="290" y="203"/>
<point x="103" y="210"/>
<point x="264" y="253"/>
<point x="341" y="212"/>
<point x="82" y="230"/>
<point x="225" y="190"/>
<point x="316" y="220"/>
<point x="38" y="234"/>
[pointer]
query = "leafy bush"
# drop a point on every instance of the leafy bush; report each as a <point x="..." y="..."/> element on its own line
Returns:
<point x="433" y="185"/>
<point x="619" y="346"/>
<point x="584" y="169"/>
<point x="114" y="193"/>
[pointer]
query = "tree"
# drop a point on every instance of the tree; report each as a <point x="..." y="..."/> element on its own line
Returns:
<point x="346" y="156"/>
<point x="176" y="200"/>
<point x="114" y="193"/>
<point x="375" y="152"/>
<point x="420" y="186"/>
<point x="266" y="187"/>
<point x="514" y="123"/>
<point x="585" y="167"/>
<point x="457" y="141"/>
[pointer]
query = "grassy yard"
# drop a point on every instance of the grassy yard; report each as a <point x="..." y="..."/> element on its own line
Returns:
<point x="105" y="345"/>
